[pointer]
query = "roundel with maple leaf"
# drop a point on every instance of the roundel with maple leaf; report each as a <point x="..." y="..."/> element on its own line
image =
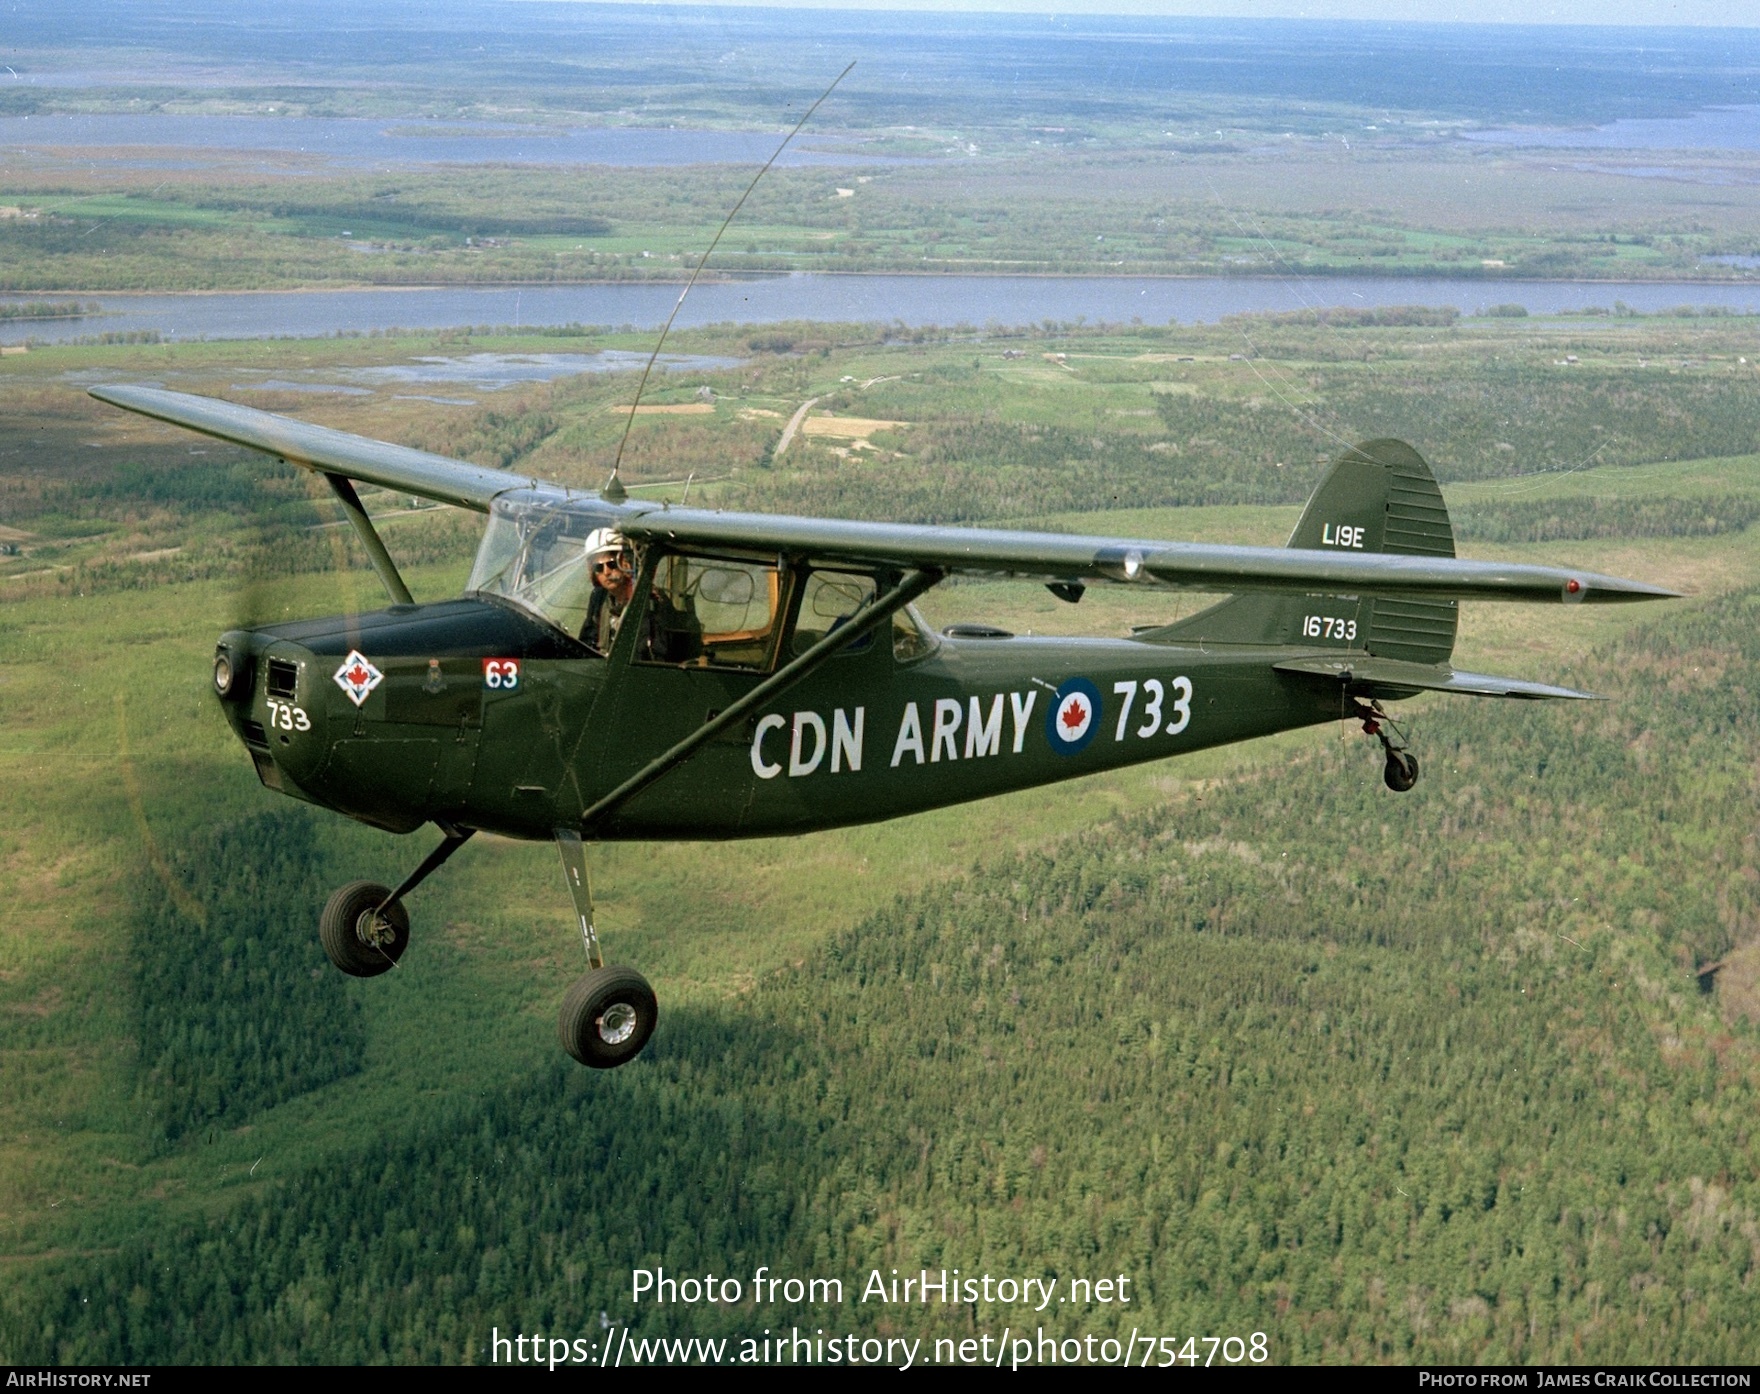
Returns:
<point x="1074" y="716"/>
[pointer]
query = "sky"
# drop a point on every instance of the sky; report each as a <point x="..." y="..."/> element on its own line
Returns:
<point x="1715" y="13"/>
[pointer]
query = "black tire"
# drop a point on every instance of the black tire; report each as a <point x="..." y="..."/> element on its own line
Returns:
<point x="357" y="941"/>
<point x="607" y="1017"/>
<point x="1402" y="770"/>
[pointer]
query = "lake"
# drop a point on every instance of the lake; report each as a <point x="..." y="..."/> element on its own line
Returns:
<point x="1717" y="128"/>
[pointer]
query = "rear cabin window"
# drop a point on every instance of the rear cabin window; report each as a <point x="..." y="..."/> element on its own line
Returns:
<point x="712" y="612"/>
<point x="829" y="600"/>
<point x="911" y="638"/>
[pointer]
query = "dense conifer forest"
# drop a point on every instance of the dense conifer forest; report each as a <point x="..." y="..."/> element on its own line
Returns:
<point x="237" y="1008"/>
<point x="1468" y="1075"/>
<point x="1418" y="1081"/>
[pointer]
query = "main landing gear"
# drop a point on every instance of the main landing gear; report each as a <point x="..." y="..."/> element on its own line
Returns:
<point x="1402" y="766"/>
<point x="364" y="927"/>
<point x="607" y="1016"/>
<point x="363" y="930"/>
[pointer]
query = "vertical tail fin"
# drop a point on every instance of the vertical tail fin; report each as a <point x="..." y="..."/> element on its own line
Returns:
<point x="1377" y="497"/>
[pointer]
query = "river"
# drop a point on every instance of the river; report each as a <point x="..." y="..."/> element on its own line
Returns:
<point x="910" y="300"/>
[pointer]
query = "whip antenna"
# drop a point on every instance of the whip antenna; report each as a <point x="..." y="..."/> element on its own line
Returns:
<point x="614" y="490"/>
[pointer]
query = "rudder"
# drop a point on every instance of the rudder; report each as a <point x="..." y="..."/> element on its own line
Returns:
<point x="1377" y="497"/>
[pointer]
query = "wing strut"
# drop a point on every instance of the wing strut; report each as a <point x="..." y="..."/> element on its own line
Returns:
<point x="882" y="609"/>
<point x="343" y="488"/>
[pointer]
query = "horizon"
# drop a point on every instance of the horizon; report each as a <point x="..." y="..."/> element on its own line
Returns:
<point x="1562" y="14"/>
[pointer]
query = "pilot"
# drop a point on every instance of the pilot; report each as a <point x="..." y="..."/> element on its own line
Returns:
<point x="614" y="581"/>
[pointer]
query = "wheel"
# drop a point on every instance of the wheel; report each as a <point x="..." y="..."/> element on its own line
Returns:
<point x="1402" y="770"/>
<point x="607" y="1017"/>
<point x="357" y="940"/>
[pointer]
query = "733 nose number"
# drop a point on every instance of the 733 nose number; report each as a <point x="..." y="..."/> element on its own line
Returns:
<point x="284" y="716"/>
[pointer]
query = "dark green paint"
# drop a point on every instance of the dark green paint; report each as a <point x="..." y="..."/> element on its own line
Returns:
<point x="525" y="762"/>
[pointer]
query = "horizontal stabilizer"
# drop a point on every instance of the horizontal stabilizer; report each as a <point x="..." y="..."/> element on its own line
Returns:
<point x="1387" y="677"/>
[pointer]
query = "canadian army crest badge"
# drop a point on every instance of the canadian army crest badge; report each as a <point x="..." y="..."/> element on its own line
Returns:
<point x="358" y="677"/>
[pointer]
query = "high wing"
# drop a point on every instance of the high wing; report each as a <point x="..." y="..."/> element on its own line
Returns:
<point x="1049" y="557"/>
<point x="1196" y="566"/>
<point x="320" y="448"/>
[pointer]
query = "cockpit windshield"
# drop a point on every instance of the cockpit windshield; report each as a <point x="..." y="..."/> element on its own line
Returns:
<point x="534" y="554"/>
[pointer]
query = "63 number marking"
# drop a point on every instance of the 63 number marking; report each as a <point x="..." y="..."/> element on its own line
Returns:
<point x="1154" y="698"/>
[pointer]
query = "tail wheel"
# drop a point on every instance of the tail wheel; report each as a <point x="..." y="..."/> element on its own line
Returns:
<point x="360" y="938"/>
<point x="1402" y="770"/>
<point x="607" y="1017"/>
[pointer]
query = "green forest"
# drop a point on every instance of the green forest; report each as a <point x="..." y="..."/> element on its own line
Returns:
<point x="237" y="1010"/>
<point x="1426" y="1082"/>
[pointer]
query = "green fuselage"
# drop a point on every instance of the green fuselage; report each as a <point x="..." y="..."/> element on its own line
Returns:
<point x="483" y="717"/>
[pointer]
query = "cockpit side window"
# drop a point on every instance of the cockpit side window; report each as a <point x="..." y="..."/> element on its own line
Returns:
<point x="712" y="612"/>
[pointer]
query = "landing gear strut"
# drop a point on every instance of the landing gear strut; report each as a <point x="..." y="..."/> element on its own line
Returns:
<point x="1402" y="766"/>
<point x="364" y="928"/>
<point x="608" y="1015"/>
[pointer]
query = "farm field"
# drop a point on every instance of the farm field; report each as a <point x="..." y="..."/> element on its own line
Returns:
<point x="1303" y="208"/>
<point x="967" y="426"/>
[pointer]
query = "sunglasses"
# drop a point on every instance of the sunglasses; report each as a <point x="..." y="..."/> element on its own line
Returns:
<point x="600" y="567"/>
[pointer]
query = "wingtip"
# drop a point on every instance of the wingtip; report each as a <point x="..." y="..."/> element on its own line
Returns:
<point x="1616" y="589"/>
<point x="1639" y="591"/>
<point x="125" y="394"/>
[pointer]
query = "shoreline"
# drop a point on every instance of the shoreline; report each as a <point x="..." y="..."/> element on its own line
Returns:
<point x="736" y="277"/>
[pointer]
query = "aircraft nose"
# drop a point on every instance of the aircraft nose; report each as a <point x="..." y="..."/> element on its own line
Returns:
<point x="266" y="687"/>
<point x="234" y="666"/>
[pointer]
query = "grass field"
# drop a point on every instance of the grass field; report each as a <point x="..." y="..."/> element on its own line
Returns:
<point x="1305" y="207"/>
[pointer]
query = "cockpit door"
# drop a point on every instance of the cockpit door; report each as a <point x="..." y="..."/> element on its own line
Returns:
<point x="704" y="631"/>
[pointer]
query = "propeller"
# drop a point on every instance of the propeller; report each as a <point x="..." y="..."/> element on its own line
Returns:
<point x="295" y="531"/>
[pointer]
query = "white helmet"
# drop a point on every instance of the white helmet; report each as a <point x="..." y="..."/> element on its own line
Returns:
<point x="603" y="540"/>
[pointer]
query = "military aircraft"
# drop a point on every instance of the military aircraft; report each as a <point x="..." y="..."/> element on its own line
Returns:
<point x="751" y="675"/>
